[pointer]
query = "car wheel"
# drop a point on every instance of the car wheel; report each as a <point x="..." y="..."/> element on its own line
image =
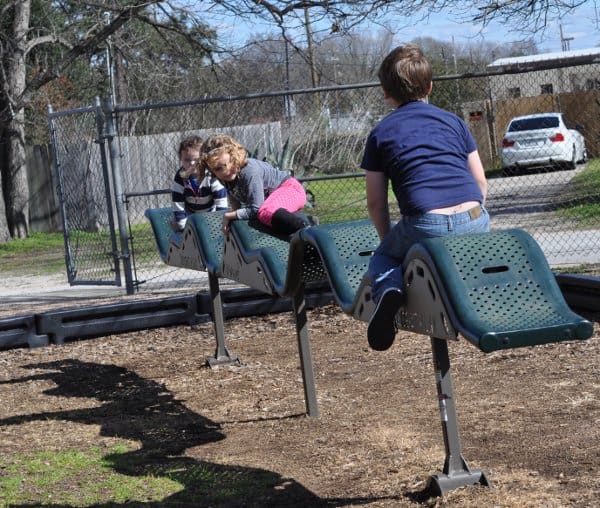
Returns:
<point x="584" y="156"/>
<point x="573" y="162"/>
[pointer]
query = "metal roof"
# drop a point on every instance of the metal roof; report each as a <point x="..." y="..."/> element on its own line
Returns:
<point x="575" y="54"/>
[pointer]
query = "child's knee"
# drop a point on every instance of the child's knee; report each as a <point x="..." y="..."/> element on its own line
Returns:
<point x="265" y="216"/>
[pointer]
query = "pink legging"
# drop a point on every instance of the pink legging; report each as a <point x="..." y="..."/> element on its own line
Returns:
<point x="289" y="195"/>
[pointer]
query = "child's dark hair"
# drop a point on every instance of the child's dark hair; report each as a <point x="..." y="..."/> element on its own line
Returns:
<point x="405" y="74"/>
<point x="193" y="142"/>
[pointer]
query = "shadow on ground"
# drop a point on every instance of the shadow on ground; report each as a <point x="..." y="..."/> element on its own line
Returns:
<point x="143" y="410"/>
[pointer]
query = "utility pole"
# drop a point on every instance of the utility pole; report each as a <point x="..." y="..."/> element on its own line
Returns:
<point x="311" y="52"/>
<point x="565" y="41"/>
<point x="455" y="71"/>
<point x="287" y="98"/>
<point x="311" y="56"/>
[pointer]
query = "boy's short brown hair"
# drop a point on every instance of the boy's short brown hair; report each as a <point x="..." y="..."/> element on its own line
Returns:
<point x="405" y="74"/>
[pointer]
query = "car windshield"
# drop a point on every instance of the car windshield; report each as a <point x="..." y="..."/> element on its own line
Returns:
<point x="530" y="124"/>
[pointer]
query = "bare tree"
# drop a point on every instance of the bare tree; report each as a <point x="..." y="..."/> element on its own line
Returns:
<point x="67" y="31"/>
<point x="526" y="16"/>
<point x="70" y="31"/>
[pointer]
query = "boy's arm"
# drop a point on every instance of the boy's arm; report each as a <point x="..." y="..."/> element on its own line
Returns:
<point x="476" y="168"/>
<point x="377" y="202"/>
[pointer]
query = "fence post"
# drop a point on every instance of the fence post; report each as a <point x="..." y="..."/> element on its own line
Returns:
<point x="115" y="162"/>
<point x="61" y="201"/>
<point x="108" y="194"/>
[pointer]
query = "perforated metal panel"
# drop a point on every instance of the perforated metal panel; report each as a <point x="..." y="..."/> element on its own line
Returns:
<point x="312" y="268"/>
<point x="203" y="236"/>
<point x="355" y="242"/>
<point x="160" y="219"/>
<point x="501" y="281"/>
<point x="214" y="225"/>
<point x="345" y="249"/>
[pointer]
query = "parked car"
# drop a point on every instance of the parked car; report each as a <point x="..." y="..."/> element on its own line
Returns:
<point x="543" y="139"/>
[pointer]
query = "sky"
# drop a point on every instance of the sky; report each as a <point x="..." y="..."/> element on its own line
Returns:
<point x="580" y="30"/>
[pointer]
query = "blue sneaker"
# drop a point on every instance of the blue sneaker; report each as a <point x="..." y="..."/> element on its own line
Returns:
<point x="382" y="325"/>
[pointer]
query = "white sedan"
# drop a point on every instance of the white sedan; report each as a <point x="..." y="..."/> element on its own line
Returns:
<point x="542" y="139"/>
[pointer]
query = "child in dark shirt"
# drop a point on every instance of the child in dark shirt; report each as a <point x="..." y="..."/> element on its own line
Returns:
<point x="436" y="173"/>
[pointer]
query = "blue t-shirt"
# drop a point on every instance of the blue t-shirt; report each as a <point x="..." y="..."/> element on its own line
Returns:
<point x="423" y="150"/>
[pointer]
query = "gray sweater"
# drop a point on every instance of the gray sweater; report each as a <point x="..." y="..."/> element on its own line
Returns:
<point x="253" y="185"/>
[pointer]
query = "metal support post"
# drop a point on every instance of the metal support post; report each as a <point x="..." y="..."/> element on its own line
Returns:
<point x="456" y="472"/>
<point x="308" y="377"/>
<point x="115" y="160"/>
<point x="222" y="356"/>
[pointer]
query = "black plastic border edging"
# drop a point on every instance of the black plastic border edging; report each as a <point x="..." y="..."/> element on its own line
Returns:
<point x="118" y="318"/>
<point x="89" y="322"/>
<point x="20" y="331"/>
<point x="582" y="293"/>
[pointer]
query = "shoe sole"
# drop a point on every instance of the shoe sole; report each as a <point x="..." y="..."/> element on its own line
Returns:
<point x="382" y="331"/>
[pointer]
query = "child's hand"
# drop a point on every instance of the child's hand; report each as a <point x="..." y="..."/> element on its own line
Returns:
<point x="226" y="220"/>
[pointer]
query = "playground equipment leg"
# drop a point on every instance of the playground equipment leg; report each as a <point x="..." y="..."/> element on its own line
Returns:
<point x="222" y="356"/>
<point x="456" y="472"/>
<point x="306" y="363"/>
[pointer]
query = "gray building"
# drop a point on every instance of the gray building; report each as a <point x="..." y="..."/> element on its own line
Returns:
<point x="545" y="73"/>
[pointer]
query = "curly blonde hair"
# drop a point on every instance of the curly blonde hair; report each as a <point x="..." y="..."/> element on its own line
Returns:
<point x="217" y="145"/>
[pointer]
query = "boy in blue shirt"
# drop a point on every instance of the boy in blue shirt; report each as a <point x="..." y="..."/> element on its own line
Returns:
<point x="437" y="177"/>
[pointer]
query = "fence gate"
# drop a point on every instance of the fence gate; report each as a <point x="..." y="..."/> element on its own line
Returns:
<point x="85" y="196"/>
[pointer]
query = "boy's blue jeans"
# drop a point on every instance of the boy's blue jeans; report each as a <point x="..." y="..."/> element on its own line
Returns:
<point x="385" y="266"/>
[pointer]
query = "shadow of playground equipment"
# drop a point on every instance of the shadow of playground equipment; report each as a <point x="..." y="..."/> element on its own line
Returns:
<point x="135" y="408"/>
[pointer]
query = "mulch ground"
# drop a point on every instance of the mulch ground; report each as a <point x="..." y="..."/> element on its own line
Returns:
<point x="529" y="417"/>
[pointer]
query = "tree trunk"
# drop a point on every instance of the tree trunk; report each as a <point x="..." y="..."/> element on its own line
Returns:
<point x="4" y="231"/>
<point x="16" y="185"/>
<point x="14" y="174"/>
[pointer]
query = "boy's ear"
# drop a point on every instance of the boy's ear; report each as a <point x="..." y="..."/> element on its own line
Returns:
<point x="430" y="88"/>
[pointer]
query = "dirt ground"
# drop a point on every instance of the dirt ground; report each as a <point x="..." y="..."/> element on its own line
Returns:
<point x="529" y="418"/>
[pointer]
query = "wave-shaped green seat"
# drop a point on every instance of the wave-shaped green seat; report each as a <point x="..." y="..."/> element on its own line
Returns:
<point x="501" y="290"/>
<point x="345" y="249"/>
<point x="160" y="220"/>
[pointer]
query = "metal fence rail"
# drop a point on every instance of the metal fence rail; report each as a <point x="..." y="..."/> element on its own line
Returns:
<point x="321" y="132"/>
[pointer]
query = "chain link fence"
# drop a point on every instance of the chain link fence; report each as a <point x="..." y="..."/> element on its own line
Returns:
<point x="319" y="134"/>
<point x="85" y="197"/>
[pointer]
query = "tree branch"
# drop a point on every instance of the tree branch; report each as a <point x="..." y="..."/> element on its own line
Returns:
<point x="85" y="46"/>
<point x="45" y="39"/>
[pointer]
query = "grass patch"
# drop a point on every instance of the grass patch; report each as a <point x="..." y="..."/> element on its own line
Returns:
<point x="40" y="253"/>
<point x="76" y="478"/>
<point x="94" y="477"/>
<point x="582" y="197"/>
<point x="343" y="199"/>
<point x="44" y="253"/>
<point x="36" y="242"/>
